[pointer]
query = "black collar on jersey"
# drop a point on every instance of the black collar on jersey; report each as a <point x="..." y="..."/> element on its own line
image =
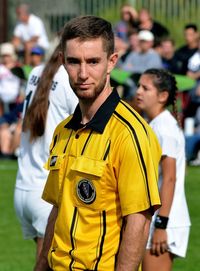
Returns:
<point x="101" y="117"/>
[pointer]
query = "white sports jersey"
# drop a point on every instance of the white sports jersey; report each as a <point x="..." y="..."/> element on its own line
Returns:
<point x="62" y="102"/>
<point x="172" y="142"/>
<point x="34" y="27"/>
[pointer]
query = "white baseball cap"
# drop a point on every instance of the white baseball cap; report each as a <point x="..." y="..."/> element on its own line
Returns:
<point x="146" y="35"/>
<point x="7" y="49"/>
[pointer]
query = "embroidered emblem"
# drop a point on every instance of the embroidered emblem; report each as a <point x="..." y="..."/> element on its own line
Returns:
<point x="53" y="160"/>
<point x="86" y="191"/>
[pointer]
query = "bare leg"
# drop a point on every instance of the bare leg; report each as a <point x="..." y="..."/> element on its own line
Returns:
<point x="5" y="139"/>
<point x="157" y="263"/>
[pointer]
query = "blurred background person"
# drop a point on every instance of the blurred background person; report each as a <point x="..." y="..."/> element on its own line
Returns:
<point x="132" y="46"/>
<point x="184" y="52"/>
<point x="146" y="22"/>
<point x="193" y="142"/>
<point x="36" y="58"/>
<point x="138" y="61"/>
<point x="193" y="95"/>
<point x="167" y="52"/>
<point x="28" y="33"/>
<point x="126" y="23"/>
<point x="49" y="100"/>
<point x="12" y="83"/>
<point x="11" y="76"/>
<point x="145" y="58"/>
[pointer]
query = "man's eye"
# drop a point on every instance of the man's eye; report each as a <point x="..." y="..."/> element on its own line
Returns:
<point x="72" y="61"/>
<point x="93" y="61"/>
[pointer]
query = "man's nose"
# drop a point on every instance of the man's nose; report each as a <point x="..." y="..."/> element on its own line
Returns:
<point x="83" y="74"/>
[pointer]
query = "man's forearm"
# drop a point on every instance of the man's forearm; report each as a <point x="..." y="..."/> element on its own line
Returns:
<point x="42" y="264"/>
<point x="134" y="238"/>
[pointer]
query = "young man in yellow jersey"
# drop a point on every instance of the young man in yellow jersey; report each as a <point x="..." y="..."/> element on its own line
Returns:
<point x="103" y="165"/>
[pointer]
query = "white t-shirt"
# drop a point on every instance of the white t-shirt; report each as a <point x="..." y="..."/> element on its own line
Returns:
<point x="172" y="142"/>
<point x="194" y="62"/>
<point x="34" y="27"/>
<point x="62" y="102"/>
<point x="9" y="85"/>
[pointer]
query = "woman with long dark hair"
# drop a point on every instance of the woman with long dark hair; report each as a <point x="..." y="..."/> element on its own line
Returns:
<point x="170" y="227"/>
<point x="49" y="99"/>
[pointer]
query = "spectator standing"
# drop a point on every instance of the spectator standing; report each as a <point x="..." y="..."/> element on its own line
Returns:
<point x="169" y="232"/>
<point x="29" y="32"/>
<point x="103" y="161"/>
<point x="49" y="99"/>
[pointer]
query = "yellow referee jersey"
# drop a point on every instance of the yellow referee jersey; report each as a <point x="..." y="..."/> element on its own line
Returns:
<point x="99" y="173"/>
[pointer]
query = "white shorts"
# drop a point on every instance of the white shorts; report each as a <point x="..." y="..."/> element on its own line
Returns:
<point x="177" y="240"/>
<point x="32" y="212"/>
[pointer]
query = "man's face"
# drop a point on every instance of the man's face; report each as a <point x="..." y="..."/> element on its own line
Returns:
<point x="88" y="66"/>
<point x="190" y="35"/>
<point x="145" y="45"/>
<point x="22" y="16"/>
<point x="167" y="49"/>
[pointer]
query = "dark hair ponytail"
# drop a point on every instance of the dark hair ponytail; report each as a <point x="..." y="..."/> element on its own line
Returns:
<point x="35" y="117"/>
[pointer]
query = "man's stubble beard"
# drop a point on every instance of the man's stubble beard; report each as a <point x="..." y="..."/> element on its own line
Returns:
<point x="89" y="99"/>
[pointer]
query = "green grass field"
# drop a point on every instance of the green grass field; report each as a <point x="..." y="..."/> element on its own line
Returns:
<point x="17" y="254"/>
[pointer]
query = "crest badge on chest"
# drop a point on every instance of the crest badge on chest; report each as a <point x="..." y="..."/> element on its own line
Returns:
<point x="86" y="191"/>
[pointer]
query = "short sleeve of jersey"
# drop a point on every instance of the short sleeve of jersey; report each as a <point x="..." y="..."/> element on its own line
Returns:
<point x="138" y="175"/>
<point x="56" y="170"/>
<point x="168" y="143"/>
<point x="51" y="189"/>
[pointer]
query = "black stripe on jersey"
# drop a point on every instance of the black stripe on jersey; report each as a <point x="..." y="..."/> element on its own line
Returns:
<point x="71" y="237"/>
<point x="86" y="142"/>
<point x="107" y="151"/>
<point x="54" y="142"/>
<point x="140" y="152"/>
<point x="133" y="113"/>
<point x="67" y="141"/>
<point x="130" y="110"/>
<point x="102" y="240"/>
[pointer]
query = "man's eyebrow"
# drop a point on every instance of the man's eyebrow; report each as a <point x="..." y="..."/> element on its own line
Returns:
<point x="71" y="58"/>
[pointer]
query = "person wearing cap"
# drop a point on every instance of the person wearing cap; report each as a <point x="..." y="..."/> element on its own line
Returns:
<point x="10" y="74"/>
<point x="11" y="83"/>
<point x="137" y="61"/>
<point x="36" y="59"/>
<point x="29" y="32"/>
<point x="146" y="58"/>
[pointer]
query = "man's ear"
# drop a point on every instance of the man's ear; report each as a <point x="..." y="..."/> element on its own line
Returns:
<point x="112" y="61"/>
<point x="163" y="96"/>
